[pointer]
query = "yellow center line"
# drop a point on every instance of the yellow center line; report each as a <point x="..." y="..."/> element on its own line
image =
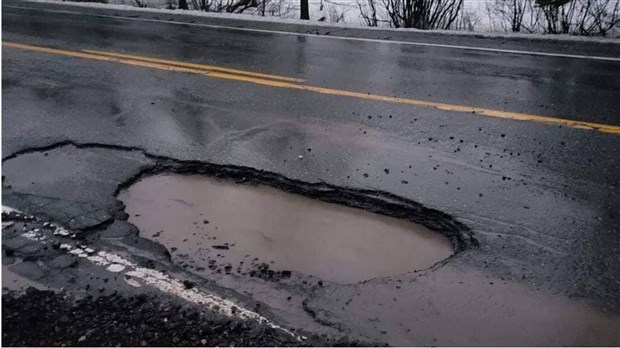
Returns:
<point x="284" y="82"/>
<point x="100" y="58"/>
<point x="195" y="66"/>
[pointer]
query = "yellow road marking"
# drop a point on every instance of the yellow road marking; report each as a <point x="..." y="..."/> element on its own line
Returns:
<point x="195" y="66"/>
<point x="98" y="57"/>
<point x="257" y="78"/>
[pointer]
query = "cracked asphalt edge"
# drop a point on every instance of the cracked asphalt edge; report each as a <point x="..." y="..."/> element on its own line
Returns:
<point x="137" y="275"/>
<point x="385" y="203"/>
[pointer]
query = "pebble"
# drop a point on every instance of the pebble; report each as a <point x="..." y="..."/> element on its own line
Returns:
<point x="115" y="268"/>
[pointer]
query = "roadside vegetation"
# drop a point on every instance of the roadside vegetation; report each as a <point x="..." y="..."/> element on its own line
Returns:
<point x="572" y="17"/>
<point x="575" y="17"/>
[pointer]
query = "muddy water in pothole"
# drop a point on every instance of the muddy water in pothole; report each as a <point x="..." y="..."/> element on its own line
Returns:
<point x="220" y="226"/>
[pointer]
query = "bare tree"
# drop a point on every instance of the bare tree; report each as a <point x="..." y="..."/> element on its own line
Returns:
<point x="422" y="14"/>
<point x="444" y="13"/>
<point x="368" y="11"/>
<point x="575" y="17"/>
<point x="336" y="15"/>
<point x="467" y="20"/>
<point x="598" y="17"/>
<point x="534" y="18"/>
<point x="202" y="5"/>
<point x="510" y="12"/>
<point x="558" y="15"/>
<point x="241" y="5"/>
<point x="231" y="6"/>
<point x="392" y="9"/>
<point x="280" y="8"/>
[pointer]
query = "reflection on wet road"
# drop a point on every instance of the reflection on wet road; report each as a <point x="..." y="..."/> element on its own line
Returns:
<point x="276" y="81"/>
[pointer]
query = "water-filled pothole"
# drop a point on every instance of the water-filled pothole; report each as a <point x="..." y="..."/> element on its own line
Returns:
<point x="219" y="226"/>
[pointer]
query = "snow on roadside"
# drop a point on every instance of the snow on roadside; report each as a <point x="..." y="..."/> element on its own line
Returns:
<point x="278" y="20"/>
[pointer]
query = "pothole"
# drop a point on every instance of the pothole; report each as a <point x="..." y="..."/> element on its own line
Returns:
<point x="219" y="226"/>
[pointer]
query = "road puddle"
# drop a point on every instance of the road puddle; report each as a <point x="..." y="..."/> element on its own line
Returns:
<point x="217" y="226"/>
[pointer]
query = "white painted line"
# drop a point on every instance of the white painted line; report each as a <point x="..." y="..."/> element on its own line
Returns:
<point x="157" y="279"/>
<point x="132" y="282"/>
<point x="335" y="37"/>
<point x="9" y="210"/>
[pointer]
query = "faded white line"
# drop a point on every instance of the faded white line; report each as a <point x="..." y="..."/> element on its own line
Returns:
<point x="163" y="282"/>
<point x="336" y="37"/>
<point x="9" y="210"/>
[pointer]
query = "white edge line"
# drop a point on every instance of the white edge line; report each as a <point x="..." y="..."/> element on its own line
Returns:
<point x="154" y="278"/>
<point x="335" y="37"/>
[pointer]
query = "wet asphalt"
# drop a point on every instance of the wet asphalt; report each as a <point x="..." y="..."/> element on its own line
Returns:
<point x="542" y="201"/>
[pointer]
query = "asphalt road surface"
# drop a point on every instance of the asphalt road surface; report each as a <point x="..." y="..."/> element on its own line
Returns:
<point x="509" y="148"/>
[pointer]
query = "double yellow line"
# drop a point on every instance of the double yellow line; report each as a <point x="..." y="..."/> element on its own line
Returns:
<point x="148" y="62"/>
<point x="295" y="83"/>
